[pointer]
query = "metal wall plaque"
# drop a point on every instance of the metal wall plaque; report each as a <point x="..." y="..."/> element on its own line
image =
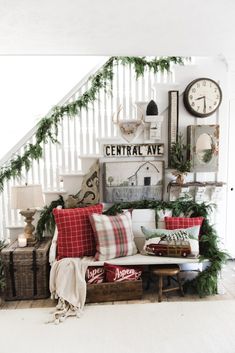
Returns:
<point x="138" y="150"/>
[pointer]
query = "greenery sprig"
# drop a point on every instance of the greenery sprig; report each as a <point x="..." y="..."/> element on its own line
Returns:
<point x="47" y="129"/>
<point x="178" y="156"/>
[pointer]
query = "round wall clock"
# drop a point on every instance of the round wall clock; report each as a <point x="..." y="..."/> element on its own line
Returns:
<point x="202" y="97"/>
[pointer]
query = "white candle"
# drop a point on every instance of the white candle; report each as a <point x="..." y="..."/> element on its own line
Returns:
<point x="22" y="241"/>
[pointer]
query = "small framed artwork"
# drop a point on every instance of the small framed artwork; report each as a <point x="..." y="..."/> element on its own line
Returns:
<point x="173" y="119"/>
<point x="204" y="147"/>
<point x="133" y="181"/>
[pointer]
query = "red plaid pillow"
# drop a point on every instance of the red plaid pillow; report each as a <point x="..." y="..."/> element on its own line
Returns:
<point x="75" y="234"/>
<point x="95" y="274"/>
<point x="182" y="222"/>
<point x="114" y="236"/>
<point x="115" y="273"/>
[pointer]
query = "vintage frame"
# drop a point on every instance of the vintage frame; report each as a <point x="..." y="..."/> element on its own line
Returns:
<point x="173" y="120"/>
<point x="203" y="160"/>
<point x="133" y="181"/>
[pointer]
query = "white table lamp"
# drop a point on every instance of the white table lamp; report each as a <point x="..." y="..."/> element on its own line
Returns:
<point x="27" y="198"/>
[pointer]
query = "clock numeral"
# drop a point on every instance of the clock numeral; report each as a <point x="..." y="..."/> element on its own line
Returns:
<point x="194" y="90"/>
<point x="215" y="90"/>
<point x="217" y="97"/>
<point x="204" y="83"/>
<point x="193" y="104"/>
<point x="215" y="103"/>
<point x="210" y="107"/>
<point x="198" y="85"/>
<point x="190" y="97"/>
<point x="198" y="107"/>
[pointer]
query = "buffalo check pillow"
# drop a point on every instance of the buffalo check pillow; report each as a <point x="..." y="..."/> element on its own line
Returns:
<point x="75" y="234"/>
<point x="182" y="222"/>
<point x="114" y="236"/>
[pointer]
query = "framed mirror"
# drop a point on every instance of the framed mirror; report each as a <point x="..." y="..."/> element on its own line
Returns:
<point x="204" y="147"/>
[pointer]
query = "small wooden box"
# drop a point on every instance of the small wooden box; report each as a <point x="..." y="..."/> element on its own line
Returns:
<point x="26" y="270"/>
<point x="112" y="291"/>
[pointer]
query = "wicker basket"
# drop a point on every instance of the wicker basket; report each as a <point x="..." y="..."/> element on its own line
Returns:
<point x="26" y="270"/>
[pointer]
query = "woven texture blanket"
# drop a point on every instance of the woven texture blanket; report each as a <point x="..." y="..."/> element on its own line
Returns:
<point x="67" y="283"/>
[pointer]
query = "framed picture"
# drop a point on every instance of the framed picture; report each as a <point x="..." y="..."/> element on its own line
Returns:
<point x="133" y="181"/>
<point x="173" y="119"/>
<point x="204" y="147"/>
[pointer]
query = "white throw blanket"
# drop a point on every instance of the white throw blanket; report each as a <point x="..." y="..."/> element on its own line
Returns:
<point x="68" y="284"/>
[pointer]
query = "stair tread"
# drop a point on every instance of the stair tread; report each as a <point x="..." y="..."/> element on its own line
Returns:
<point x="55" y="192"/>
<point x="72" y="174"/>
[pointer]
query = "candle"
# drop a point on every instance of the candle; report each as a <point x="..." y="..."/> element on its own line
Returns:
<point x="22" y="241"/>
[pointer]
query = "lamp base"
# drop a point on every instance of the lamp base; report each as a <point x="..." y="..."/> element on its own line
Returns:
<point x="29" y="228"/>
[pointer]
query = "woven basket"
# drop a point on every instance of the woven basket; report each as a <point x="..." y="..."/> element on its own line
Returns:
<point x="26" y="270"/>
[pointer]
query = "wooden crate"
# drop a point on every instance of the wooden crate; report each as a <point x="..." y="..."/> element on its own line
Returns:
<point x="112" y="291"/>
<point x="26" y="270"/>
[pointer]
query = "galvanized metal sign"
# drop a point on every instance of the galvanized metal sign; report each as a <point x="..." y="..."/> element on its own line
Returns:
<point x="138" y="150"/>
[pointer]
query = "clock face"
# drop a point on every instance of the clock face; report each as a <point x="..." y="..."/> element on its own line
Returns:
<point x="202" y="97"/>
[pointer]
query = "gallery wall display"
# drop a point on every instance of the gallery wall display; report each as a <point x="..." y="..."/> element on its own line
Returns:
<point x="132" y="181"/>
<point x="204" y="147"/>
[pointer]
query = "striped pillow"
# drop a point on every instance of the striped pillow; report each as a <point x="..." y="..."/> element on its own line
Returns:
<point x="114" y="236"/>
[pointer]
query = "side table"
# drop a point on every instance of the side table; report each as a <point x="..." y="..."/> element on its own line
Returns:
<point x="26" y="270"/>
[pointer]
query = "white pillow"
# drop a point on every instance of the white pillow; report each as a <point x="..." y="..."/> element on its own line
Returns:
<point x="142" y="217"/>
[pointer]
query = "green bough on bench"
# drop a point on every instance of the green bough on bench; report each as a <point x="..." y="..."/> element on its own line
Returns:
<point x="206" y="282"/>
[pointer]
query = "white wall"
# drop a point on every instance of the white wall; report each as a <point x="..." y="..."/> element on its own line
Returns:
<point x="30" y="86"/>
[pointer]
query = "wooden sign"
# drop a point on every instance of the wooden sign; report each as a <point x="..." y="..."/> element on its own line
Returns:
<point x="145" y="150"/>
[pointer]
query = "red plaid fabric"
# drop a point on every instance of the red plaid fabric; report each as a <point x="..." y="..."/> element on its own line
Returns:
<point x="182" y="222"/>
<point x="114" y="236"/>
<point x="75" y="234"/>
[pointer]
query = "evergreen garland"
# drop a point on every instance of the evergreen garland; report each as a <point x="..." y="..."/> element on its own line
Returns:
<point x="46" y="221"/>
<point x="48" y="126"/>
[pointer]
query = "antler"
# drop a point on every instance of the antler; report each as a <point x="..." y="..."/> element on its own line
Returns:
<point x="115" y="121"/>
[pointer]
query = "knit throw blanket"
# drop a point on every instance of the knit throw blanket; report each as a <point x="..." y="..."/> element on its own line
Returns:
<point x="68" y="284"/>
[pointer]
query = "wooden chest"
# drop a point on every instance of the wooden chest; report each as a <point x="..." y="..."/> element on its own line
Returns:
<point x="26" y="270"/>
<point x="112" y="291"/>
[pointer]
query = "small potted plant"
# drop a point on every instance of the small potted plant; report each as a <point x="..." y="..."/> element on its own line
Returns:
<point x="179" y="160"/>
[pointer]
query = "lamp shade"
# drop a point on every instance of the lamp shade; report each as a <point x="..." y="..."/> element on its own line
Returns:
<point x="27" y="196"/>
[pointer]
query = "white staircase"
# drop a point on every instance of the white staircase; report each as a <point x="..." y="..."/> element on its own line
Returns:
<point x="63" y="165"/>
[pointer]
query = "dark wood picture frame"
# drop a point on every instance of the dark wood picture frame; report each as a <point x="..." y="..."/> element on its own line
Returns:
<point x="173" y="119"/>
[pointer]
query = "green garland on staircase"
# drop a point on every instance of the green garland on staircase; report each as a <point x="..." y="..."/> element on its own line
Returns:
<point x="206" y="282"/>
<point x="48" y="126"/>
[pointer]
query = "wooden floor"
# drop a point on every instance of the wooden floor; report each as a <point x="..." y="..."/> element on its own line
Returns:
<point x="226" y="287"/>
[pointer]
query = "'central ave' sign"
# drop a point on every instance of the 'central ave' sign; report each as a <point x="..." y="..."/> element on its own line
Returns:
<point x="138" y="150"/>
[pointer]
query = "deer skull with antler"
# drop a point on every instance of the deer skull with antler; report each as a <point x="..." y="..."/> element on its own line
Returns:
<point x="129" y="128"/>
